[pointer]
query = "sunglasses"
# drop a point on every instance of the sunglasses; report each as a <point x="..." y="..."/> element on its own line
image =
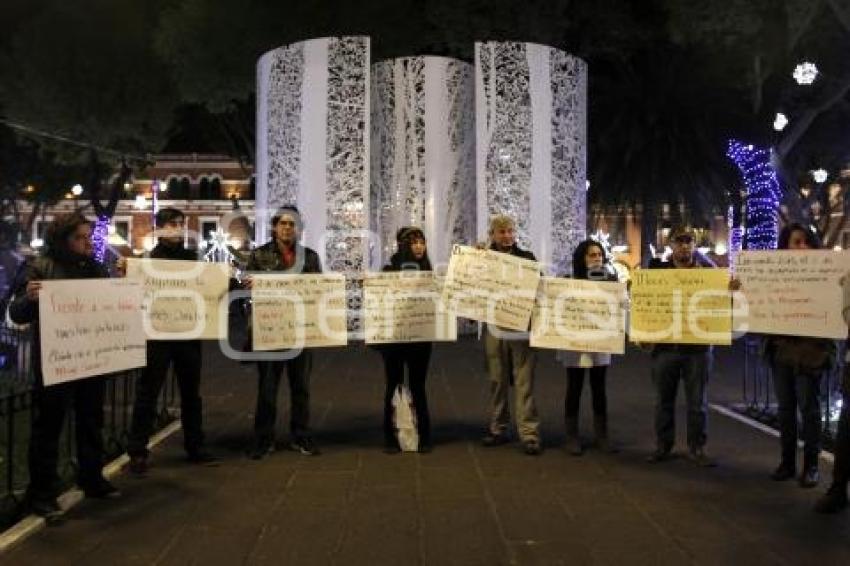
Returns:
<point x="683" y="239"/>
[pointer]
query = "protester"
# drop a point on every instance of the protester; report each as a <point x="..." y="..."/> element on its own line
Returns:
<point x="835" y="498"/>
<point x="798" y="365"/>
<point x="183" y="355"/>
<point x="284" y="254"/>
<point x="507" y="354"/>
<point x="412" y="254"/>
<point x="67" y="255"/>
<point x="686" y="362"/>
<point x="589" y="262"/>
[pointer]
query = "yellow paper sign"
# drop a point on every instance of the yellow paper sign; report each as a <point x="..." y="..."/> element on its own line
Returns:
<point x="681" y="306"/>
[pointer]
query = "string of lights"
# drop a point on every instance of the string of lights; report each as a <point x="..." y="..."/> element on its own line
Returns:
<point x="763" y="194"/>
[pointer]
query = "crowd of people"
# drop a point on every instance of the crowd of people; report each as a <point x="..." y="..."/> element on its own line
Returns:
<point x="797" y="363"/>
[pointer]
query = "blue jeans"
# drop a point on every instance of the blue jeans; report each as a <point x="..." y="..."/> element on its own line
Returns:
<point x="693" y="368"/>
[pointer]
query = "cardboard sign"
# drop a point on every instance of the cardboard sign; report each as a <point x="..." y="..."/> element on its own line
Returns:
<point x="184" y="300"/>
<point x="492" y="287"/>
<point x="580" y="315"/>
<point x="405" y="306"/>
<point x="298" y="311"/>
<point x="797" y="292"/>
<point x="90" y="327"/>
<point x="681" y="306"/>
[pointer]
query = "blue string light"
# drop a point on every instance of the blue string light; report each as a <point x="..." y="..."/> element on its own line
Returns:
<point x="100" y="237"/>
<point x="763" y="194"/>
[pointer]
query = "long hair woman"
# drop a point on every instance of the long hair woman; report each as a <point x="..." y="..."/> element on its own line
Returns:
<point x="589" y="262"/>
<point x="798" y="364"/>
<point x="411" y="254"/>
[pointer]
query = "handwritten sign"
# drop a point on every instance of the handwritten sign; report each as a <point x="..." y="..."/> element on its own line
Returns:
<point x="183" y="299"/>
<point x="493" y="287"/>
<point x="580" y="315"/>
<point x="89" y="327"/>
<point x="405" y="306"/>
<point x="298" y="311"/>
<point x="681" y="306"/>
<point x="792" y="292"/>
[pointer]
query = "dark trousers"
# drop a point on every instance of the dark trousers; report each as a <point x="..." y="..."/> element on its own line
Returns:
<point x="668" y="368"/>
<point x="575" y="384"/>
<point x="50" y="406"/>
<point x="798" y="389"/>
<point x="841" y="469"/>
<point x="186" y="357"/>
<point x="298" y="370"/>
<point x="415" y="357"/>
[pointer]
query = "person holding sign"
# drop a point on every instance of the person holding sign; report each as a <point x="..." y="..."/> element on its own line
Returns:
<point x="835" y="498"/>
<point x="184" y="355"/>
<point x="412" y="254"/>
<point x="67" y="255"/>
<point x="506" y="353"/>
<point x="690" y="363"/>
<point x="798" y="364"/>
<point x="589" y="262"/>
<point x="284" y="254"/>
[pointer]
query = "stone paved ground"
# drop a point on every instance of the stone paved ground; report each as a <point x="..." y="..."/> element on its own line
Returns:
<point x="461" y="504"/>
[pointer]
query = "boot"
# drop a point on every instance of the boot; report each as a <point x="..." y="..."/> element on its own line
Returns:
<point x="573" y="445"/>
<point x="600" y="429"/>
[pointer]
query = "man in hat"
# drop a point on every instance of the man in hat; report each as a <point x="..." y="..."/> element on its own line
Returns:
<point x="689" y="363"/>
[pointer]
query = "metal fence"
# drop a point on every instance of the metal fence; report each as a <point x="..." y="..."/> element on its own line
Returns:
<point x="758" y="392"/>
<point x="16" y="381"/>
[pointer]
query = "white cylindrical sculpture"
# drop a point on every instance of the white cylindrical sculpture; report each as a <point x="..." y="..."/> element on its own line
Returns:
<point x="530" y="109"/>
<point x="312" y="144"/>
<point x="422" y="152"/>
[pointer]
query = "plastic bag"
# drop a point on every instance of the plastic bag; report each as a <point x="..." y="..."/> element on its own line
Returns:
<point x="404" y="420"/>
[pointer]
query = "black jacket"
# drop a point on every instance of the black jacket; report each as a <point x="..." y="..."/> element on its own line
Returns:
<point x="268" y="258"/>
<point x="517" y="251"/>
<point x="164" y="251"/>
<point x="24" y="311"/>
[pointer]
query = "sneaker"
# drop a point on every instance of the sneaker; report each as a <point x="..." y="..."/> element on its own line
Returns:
<point x="810" y="477"/>
<point x="532" y="448"/>
<point x="138" y="465"/>
<point x="101" y="489"/>
<point x="833" y="501"/>
<point x="660" y="455"/>
<point x="203" y="458"/>
<point x="700" y="458"/>
<point x="491" y="439"/>
<point x="305" y="445"/>
<point x="261" y="450"/>
<point x="48" y="509"/>
<point x="783" y="473"/>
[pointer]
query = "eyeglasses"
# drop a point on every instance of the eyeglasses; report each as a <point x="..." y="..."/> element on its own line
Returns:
<point x="286" y="222"/>
<point x="683" y="239"/>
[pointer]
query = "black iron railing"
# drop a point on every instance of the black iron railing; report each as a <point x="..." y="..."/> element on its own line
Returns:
<point x="16" y="380"/>
<point x="758" y="393"/>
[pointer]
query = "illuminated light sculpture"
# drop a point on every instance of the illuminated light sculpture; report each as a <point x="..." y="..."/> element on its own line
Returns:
<point x="763" y="194"/>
